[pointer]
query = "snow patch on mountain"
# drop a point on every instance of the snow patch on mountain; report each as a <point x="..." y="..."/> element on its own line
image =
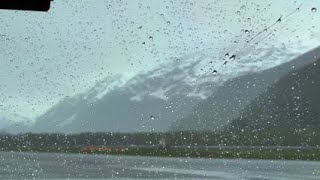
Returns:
<point x="201" y="73"/>
<point x="196" y="75"/>
<point x="68" y="120"/>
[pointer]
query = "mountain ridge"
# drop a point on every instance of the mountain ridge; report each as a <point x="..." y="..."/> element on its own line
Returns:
<point x="149" y="102"/>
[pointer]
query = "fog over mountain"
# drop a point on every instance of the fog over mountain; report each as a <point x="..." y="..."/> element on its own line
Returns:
<point x="162" y="99"/>
<point x="147" y="102"/>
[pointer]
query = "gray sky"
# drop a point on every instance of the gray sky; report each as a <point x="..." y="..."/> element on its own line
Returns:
<point x="47" y="56"/>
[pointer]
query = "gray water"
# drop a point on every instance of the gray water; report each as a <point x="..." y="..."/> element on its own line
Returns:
<point x="18" y="165"/>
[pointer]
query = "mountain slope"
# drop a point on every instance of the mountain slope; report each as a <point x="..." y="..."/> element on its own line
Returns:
<point x="293" y="102"/>
<point x="230" y="99"/>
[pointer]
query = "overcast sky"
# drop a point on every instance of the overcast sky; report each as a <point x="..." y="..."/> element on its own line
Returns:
<point x="47" y="56"/>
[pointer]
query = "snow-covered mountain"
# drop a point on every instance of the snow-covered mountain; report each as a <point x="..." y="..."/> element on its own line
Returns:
<point x="147" y="102"/>
<point x="154" y="100"/>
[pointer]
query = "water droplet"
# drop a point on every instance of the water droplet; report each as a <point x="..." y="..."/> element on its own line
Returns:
<point x="214" y="72"/>
<point x="313" y="9"/>
<point x="168" y="22"/>
<point x="232" y="57"/>
<point x="247" y="31"/>
<point x="151" y="38"/>
<point x="227" y="55"/>
<point x="152" y="117"/>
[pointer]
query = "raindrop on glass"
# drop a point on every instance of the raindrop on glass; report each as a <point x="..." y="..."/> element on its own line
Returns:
<point x="314" y="9"/>
<point x="232" y="57"/>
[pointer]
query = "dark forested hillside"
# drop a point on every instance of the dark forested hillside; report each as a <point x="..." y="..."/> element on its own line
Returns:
<point x="293" y="102"/>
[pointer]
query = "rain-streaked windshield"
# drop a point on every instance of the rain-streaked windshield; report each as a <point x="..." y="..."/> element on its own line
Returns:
<point x="161" y="89"/>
